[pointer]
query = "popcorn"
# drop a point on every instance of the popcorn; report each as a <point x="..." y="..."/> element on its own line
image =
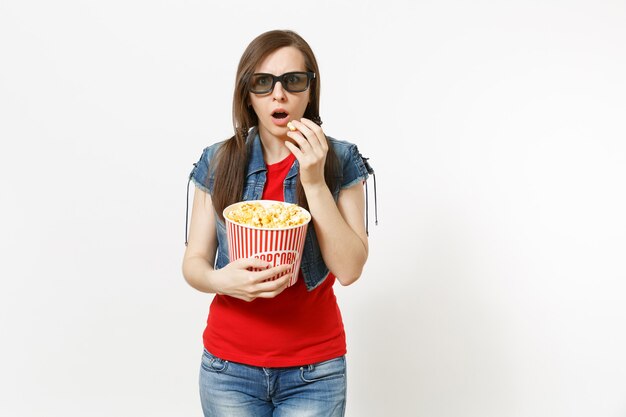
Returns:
<point x="274" y="216"/>
<point x="267" y="229"/>
<point x="291" y="127"/>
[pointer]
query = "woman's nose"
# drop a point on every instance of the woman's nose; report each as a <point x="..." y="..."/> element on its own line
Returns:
<point x="279" y="92"/>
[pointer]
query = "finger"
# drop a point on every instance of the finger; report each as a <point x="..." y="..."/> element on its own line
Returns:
<point x="300" y="140"/>
<point x="315" y="147"/>
<point x="275" y="292"/>
<point x="295" y="150"/>
<point x="272" y="285"/>
<point x="260" y="270"/>
<point x="317" y="130"/>
<point x="252" y="262"/>
<point x="275" y="271"/>
<point x="307" y="132"/>
<point x="272" y="294"/>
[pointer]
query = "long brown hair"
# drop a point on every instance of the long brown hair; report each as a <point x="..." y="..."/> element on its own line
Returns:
<point x="232" y="159"/>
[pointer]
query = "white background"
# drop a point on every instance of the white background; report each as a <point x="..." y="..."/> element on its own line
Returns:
<point x="496" y="284"/>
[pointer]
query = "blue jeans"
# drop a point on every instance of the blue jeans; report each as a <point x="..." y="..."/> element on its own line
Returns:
<point x="229" y="389"/>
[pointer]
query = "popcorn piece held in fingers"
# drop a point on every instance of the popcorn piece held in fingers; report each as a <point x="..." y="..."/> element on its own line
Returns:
<point x="291" y="127"/>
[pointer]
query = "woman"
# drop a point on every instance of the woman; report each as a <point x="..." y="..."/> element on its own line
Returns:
<point x="273" y="350"/>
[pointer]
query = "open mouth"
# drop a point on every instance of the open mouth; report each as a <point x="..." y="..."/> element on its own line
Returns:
<point x="280" y="117"/>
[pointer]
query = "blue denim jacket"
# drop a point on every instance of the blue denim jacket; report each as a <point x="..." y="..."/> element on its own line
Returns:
<point x="354" y="169"/>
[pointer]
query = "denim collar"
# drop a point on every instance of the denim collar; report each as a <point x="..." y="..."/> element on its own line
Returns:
<point x="256" y="162"/>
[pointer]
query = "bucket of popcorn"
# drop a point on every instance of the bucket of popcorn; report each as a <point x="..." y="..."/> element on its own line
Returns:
<point x="270" y="230"/>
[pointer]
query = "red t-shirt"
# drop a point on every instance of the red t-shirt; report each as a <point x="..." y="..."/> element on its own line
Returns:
<point x="297" y="327"/>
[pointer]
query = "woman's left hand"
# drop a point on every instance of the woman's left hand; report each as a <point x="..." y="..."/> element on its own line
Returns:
<point x="310" y="151"/>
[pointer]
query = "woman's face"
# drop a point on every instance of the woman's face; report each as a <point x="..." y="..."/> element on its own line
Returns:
<point x="279" y="106"/>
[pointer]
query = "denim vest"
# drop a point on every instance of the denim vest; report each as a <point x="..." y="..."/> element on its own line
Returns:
<point x="354" y="168"/>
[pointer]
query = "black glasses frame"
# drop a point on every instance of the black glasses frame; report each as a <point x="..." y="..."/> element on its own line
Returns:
<point x="282" y="78"/>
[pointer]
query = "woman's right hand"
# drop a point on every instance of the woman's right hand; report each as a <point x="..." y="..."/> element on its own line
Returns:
<point x="239" y="279"/>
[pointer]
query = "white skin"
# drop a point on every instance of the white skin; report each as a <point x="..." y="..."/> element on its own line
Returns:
<point x="340" y="226"/>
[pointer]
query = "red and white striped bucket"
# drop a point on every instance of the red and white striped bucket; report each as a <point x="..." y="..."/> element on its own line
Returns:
<point x="276" y="245"/>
